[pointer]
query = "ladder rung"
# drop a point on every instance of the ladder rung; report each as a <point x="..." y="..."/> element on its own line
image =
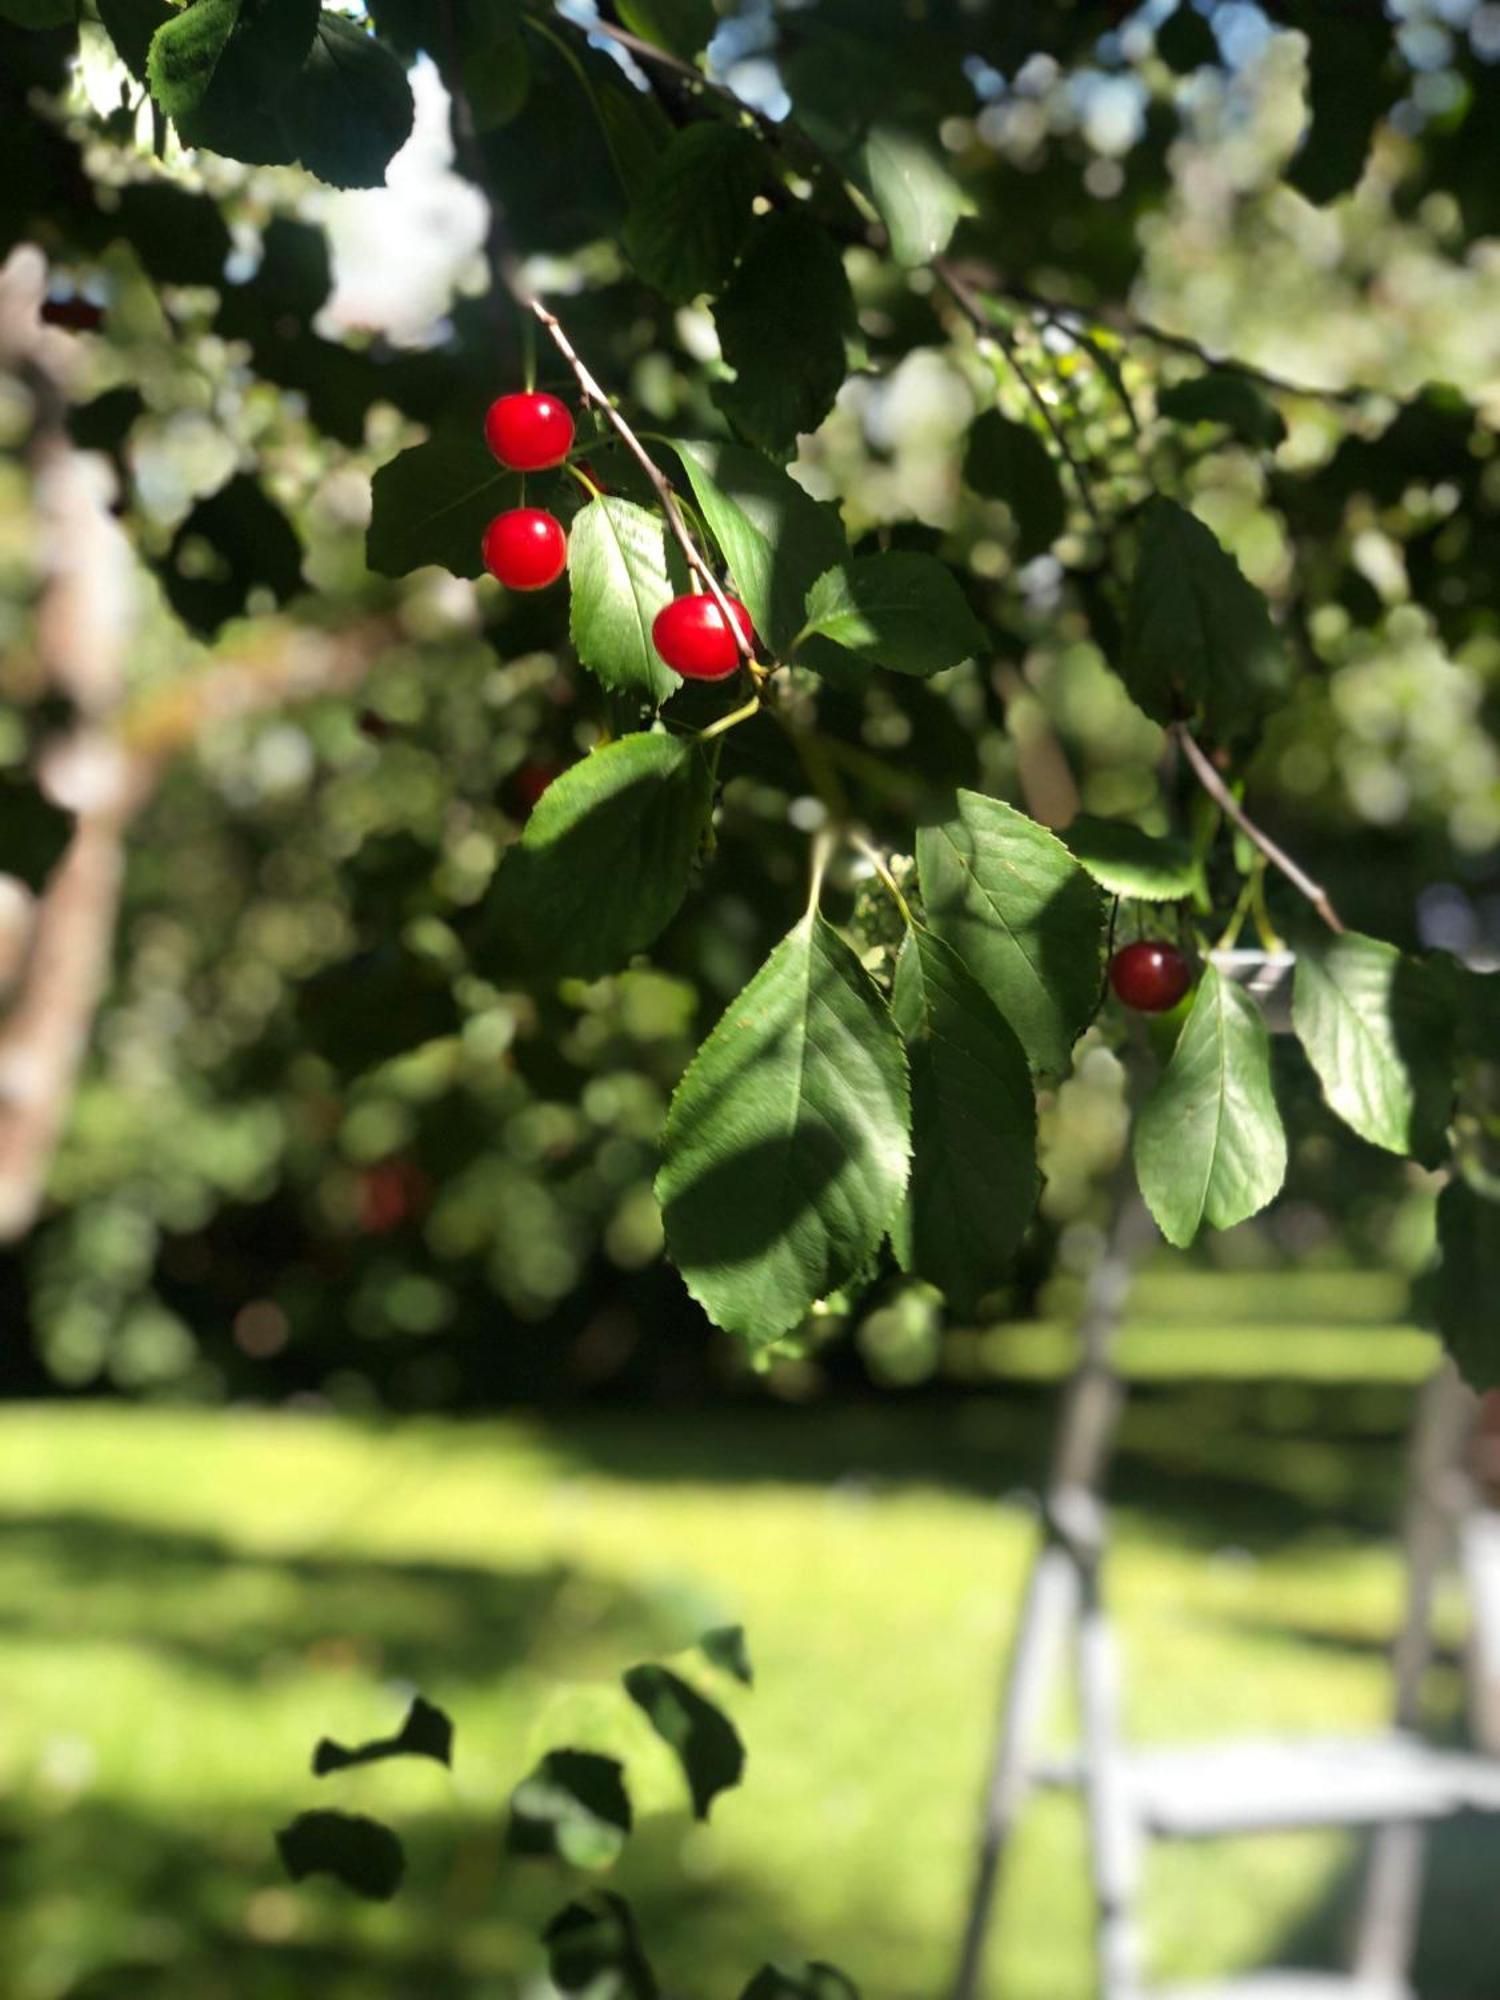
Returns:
<point x="1250" y="1786"/>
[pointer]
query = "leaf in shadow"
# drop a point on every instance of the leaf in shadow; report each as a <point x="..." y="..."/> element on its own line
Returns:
<point x="426" y="1732"/>
<point x="705" y="1741"/>
<point x="361" y="1853"/>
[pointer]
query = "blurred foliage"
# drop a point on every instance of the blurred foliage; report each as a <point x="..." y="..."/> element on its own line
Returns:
<point x="330" y="1138"/>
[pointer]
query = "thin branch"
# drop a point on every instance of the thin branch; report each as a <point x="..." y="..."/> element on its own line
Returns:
<point x="991" y="333"/>
<point x="1224" y="799"/>
<point x="506" y="267"/>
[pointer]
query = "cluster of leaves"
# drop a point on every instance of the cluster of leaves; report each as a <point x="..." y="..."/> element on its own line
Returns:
<point x="573" y="1808"/>
<point x="851" y="1094"/>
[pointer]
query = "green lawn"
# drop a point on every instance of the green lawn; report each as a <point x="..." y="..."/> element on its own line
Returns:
<point x="190" y="1600"/>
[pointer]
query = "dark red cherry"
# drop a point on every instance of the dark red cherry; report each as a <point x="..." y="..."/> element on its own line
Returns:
<point x="694" y="639"/>
<point x="1150" y="977"/>
<point x="529" y="431"/>
<point x="526" y="548"/>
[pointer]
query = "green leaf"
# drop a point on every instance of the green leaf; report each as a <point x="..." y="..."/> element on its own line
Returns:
<point x="130" y="25"/>
<point x="803" y="1981"/>
<point x="433" y="503"/>
<point x="681" y="26"/>
<point x="1351" y="84"/>
<point x="1228" y="399"/>
<point x="617" y="565"/>
<point x="185" y="52"/>
<point x="915" y="194"/>
<point x="1185" y="41"/>
<point x="1025" y="918"/>
<point x="703" y="1739"/>
<point x="426" y="1732"/>
<point x="725" y="1648"/>
<point x="1209" y="1142"/>
<point x="1378" y="1029"/>
<point x="573" y="1807"/>
<point x="1198" y="638"/>
<point x="902" y="610"/>
<point x="230" y="544"/>
<point x="781" y="324"/>
<point x="1007" y="461"/>
<point x="493" y="60"/>
<point x="1466" y="1283"/>
<point x="1121" y="858"/>
<point x="361" y="1853"/>
<point x="603" y="865"/>
<point x="973" y="1115"/>
<point x="776" y="539"/>
<point x="594" y="1952"/>
<point x="787" y="1140"/>
<point x="687" y="224"/>
<point x="349" y="110"/>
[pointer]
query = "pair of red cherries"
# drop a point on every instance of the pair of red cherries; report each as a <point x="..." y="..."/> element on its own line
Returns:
<point x="526" y="548"/>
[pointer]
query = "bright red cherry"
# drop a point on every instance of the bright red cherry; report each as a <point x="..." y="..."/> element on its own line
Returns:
<point x="692" y="636"/>
<point x="526" y="548"/>
<point x="529" y="431"/>
<point x="1150" y="977"/>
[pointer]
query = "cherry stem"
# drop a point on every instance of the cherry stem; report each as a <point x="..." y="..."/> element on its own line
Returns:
<point x="732" y="720"/>
<point x="887" y="880"/>
<point x="1208" y="777"/>
<point x="506" y="267"/>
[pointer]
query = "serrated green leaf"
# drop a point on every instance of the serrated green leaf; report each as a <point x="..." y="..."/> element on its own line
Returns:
<point x="1121" y="858"/>
<point x="594" y="1952"/>
<point x="781" y="323"/>
<point x="617" y="565"/>
<point x="1007" y="461"/>
<point x="1465" y="1287"/>
<point x="1198" y="637"/>
<point x="914" y="192"/>
<point x="603" y="864"/>
<point x="433" y="503"/>
<point x="426" y="1732"/>
<point x="1209" y="1142"/>
<point x="130" y="25"/>
<point x="681" y="26"/>
<point x="236" y="541"/>
<point x="349" y="110"/>
<point x="776" y="539"/>
<point x="1025" y="918"/>
<point x="359" y="1852"/>
<point x="1228" y="399"/>
<point x="703" y="1739"/>
<point x="902" y="610"/>
<point x="812" y="1980"/>
<point x="973" y="1116"/>
<point x="1378" y="1030"/>
<point x="186" y="51"/>
<point x="787" y="1141"/>
<point x="573" y="1807"/>
<point x="687" y="224"/>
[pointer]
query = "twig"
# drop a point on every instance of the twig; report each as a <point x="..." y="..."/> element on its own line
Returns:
<point x="505" y="266"/>
<point x="991" y="333"/>
<point x="883" y="874"/>
<point x="1224" y="799"/>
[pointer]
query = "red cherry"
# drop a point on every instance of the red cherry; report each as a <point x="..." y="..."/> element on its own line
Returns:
<point x="529" y="432"/>
<point x="693" y="638"/>
<point x="526" y="548"/>
<point x="1150" y="977"/>
<point x="528" y="782"/>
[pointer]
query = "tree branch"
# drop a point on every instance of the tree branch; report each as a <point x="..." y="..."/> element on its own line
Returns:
<point x="1224" y="799"/>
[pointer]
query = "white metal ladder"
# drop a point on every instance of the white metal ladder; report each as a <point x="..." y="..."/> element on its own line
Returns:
<point x="1396" y="1784"/>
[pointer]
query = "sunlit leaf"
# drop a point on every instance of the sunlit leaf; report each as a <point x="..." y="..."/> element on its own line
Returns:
<point x="787" y="1141"/>
<point x="1024" y="917"/>
<point x="901" y="610"/>
<point x="914" y="191"/>
<point x="1209" y="1142"/>
<point x="1146" y="867"/>
<point x="617" y="565"/>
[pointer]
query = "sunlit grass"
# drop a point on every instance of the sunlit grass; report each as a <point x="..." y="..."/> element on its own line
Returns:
<point x="191" y="1600"/>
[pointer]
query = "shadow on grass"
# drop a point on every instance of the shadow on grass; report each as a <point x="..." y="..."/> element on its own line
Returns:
<point x="246" y="1616"/>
